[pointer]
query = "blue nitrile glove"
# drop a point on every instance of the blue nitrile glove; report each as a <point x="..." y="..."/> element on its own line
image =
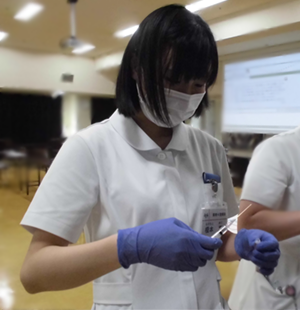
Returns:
<point x="168" y="244"/>
<point x="259" y="247"/>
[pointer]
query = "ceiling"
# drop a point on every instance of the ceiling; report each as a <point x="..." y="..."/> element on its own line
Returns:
<point x="98" y="20"/>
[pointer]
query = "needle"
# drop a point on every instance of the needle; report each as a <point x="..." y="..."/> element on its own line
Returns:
<point x="224" y="229"/>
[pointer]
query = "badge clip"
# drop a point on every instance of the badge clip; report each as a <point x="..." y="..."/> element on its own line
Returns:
<point x="213" y="179"/>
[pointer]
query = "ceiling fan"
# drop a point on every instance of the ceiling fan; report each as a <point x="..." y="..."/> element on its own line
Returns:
<point x="72" y="43"/>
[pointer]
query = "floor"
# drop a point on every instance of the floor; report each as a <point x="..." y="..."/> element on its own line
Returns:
<point x="13" y="246"/>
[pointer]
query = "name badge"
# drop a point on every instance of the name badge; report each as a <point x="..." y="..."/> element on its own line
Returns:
<point x="213" y="219"/>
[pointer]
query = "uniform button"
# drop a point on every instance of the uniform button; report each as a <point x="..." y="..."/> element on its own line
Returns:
<point x="161" y="156"/>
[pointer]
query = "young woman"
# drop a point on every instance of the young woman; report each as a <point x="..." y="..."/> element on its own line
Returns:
<point x="150" y="190"/>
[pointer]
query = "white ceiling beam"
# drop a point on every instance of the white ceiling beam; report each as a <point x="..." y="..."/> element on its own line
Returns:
<point x="248" y="23"/>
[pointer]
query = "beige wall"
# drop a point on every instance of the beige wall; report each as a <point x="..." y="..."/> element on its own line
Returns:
<point x="22" y="70"/>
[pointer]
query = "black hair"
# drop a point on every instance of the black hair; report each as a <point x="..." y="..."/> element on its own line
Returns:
<point x="169" y="38"/>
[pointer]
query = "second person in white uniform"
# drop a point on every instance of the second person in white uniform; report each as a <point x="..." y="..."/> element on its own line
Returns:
<point x="149" y="189"/>
<point x="272" y="185"/>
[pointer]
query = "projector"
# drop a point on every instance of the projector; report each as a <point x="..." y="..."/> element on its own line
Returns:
<point x="71" y="43"/>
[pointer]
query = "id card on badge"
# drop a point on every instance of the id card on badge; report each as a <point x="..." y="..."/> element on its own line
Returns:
<point x="213" y="218"/>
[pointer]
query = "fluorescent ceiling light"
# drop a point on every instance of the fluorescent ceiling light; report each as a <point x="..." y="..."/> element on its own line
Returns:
<point x="3" y="35"/>
<point x="28" y="11"/>
<point x="83" y="49"/>
<point x="194" y="7"/>
<point x="203" y="4"/>
<point x="127" y="32"/>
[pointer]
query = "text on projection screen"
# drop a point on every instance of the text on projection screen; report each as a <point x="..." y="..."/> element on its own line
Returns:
<point x="262" y="96"/>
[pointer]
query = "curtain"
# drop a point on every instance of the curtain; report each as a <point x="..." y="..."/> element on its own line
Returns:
<point x="102" y="108"/>
<point x="30" y="119"/>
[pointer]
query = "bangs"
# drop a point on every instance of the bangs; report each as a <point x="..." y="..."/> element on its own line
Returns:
<point x="192" y="58"/>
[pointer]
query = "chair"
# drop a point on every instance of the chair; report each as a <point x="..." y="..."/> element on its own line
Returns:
<point x="3" y="167"/>
<point x="54" y="146"/>
<point x="37" y="158"/>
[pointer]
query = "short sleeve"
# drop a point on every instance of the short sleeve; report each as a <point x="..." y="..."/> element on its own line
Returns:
<point x="267" y="176"/>
<point x="67" y="194"/>
<point x="228" y="189"/>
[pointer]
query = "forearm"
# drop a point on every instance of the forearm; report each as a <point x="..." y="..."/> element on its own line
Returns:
<point x="282" y="224"/>
<point x="54" y="268"/>
<point x="227" y="252"/>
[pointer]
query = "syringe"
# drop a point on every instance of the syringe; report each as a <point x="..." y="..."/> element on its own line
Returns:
<point x="223" y="230"/>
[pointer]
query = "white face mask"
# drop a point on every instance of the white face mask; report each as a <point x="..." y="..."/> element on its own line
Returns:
<point x="179" y="105"/>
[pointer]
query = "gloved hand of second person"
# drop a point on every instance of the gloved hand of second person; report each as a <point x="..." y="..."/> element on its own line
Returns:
<point x="259" y="247"/>
<point x="168" y="244"/>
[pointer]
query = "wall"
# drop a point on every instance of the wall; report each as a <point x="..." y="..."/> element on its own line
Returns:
<point x="76" y="111"/>
<point x="42" y="72"/>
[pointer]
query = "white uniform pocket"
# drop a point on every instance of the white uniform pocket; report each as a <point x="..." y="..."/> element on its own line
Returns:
<point x="252" y="291"/>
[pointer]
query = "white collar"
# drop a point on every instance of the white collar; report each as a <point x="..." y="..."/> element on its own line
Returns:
<point x="137" y="138"/>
